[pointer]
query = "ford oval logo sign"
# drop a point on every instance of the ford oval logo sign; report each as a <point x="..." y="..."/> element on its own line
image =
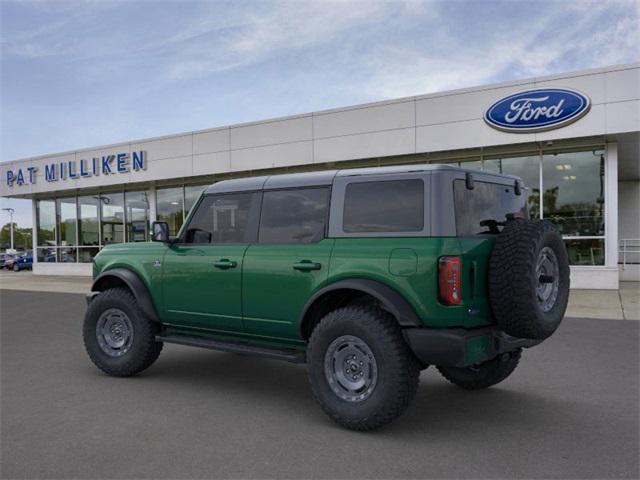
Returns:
<point x="537" y="110"/>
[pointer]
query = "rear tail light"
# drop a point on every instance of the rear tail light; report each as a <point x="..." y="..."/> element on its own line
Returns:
<point x="449" y="280"/>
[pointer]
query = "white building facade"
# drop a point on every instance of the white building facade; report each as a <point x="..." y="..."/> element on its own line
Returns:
<point x="582" y="168"/>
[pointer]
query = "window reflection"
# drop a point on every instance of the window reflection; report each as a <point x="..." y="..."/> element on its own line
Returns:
<point x="46" y="219"/>
<point x="46" y="255"/>
<point x="112" y="218"/>
<point x="574" y="192"/>
<point x="472" y="165"/>
<point x="66" y="221"/>
<point x="88" y="220"/>
<point x="528" y="169"/>
<point x="585" y="252"/>
<point x="191" y="194"/>
<point x="169" y="207"/>
<point x="86" y="254"/>
<point x="137" y="216"/>
<point x="67" y="255"/>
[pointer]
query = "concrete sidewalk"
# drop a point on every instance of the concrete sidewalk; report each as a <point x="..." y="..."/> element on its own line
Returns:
<point x="26" y="280"/>
<point x="623" y="304"/>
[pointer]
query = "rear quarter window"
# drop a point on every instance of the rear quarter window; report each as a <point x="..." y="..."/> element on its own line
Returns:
<point x="485" y="202"/>
<point x="384" y="206"/>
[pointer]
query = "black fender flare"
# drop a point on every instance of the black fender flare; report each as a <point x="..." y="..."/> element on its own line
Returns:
<point x="135" y="284"/>
<point x="390" y="299"/>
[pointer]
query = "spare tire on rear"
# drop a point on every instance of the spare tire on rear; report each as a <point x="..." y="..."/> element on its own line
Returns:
<point x="529" y="278"/>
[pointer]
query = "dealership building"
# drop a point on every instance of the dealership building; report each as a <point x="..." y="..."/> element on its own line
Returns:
<point x="573" y="138"/>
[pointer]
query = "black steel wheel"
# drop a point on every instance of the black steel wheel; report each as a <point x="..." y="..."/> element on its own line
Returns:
<point x="119" y="338"/>
<point x="351" y="368"/>
<point x="114" y="332"/>
<point x="361" y="371"/>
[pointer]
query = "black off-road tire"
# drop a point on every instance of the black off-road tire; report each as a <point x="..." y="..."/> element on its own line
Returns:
<point x="398" y="370"/>
<point x="484" y="375"/>
<point x="143" y="350"/>
<point x="514" y="283"/>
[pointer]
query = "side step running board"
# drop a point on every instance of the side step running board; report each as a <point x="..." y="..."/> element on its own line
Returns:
<point x="288" y="355"/>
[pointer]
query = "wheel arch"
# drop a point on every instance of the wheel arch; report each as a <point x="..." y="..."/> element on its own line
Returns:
<point x="123" y="277"/>
<point x="345" y="291"/>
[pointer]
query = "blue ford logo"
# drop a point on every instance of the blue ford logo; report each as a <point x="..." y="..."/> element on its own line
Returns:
<point x="537" y="110"/>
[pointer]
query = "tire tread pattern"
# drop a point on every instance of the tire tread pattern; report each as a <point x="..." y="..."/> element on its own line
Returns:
<point x="405" y="369"/>
<point x="144" y="329"/>
<point x="512" y="265"/>
<point x="484" y="375"/>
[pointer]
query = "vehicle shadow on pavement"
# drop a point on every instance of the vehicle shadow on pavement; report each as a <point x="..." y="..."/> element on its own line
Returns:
<point x="437" y="406"/>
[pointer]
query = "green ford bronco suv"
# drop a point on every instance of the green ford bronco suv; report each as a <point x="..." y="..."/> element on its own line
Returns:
<point x="367" y="275"/>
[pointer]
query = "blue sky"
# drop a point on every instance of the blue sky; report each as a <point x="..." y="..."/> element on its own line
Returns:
<point x="86" y="73"/>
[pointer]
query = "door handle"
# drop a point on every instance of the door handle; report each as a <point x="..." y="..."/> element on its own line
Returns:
<point x="306" y="266"/>
<point x="225" y="264"/>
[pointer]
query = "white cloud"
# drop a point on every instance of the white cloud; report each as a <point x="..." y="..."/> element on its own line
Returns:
<point x="140" y="65"/>
<point x="287" y="26"/>
<point x="53" y="30"/>
<point x="524" y="48"/>
<point x="367" y="37"/>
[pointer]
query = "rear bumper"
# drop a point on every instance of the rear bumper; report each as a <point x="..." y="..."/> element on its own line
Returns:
<point x="457" y="347"/>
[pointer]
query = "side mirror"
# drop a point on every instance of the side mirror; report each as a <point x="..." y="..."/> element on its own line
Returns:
<point x="160" y="232"/>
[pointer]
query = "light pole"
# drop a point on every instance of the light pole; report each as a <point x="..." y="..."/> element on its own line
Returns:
<point x="11" y="212"/>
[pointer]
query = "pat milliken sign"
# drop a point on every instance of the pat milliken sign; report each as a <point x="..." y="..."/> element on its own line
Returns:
<point x="117" y="163"/>
<point x="537" y="110"/>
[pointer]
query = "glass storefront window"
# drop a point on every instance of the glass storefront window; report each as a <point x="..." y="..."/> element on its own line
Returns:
<point x="527" y="168"/>
<point x="112" y="221"/>
<point x="585" y="251"/>
<point x="74" y="229"/>
<point x="46" y="254"/>
<point x="67" y="222"/>
<point x="574" y="192"/>
<point x="46" y="218"/>
<point x="67" y="255"/>
<point x="472" y="165"/>
<point x="86" y="254"/>
<point x="191" y="194"/>
<point x="137" y="216"/>
<point x="88" y="220"/>
<point x="170" y="207"/>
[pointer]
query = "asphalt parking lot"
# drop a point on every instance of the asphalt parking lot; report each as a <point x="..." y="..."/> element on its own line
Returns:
<point x="569" y="411"/>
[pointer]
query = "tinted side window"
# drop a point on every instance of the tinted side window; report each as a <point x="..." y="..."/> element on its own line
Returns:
<point x="224" y="219"/>
<point x="294" y="216"/>
<point x="385" y="206"/>
<point x="487" y="201"/>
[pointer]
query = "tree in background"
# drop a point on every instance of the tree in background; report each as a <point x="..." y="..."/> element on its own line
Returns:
<point x="22" y="237"/>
